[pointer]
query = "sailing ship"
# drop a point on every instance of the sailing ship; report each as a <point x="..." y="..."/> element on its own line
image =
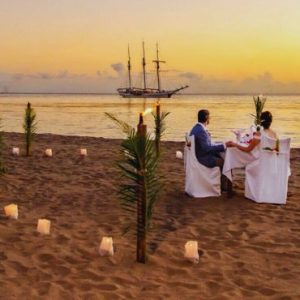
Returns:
<point x="145" y="92"/>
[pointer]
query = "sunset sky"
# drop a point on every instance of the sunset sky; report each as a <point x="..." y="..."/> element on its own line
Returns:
<point x="212" y="45"/>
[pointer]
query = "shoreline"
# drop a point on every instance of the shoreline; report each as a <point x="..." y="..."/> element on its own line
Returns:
<point x="100" y="137"/>
<point x="247" y="250"/>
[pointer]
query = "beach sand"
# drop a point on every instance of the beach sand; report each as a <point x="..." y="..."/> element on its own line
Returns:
<point x="247" y="250"/>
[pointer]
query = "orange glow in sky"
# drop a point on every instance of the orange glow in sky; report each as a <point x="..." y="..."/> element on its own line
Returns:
<point x="215" y="40"/>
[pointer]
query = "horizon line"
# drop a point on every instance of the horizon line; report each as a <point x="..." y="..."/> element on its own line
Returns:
<point x="181" y="94"/>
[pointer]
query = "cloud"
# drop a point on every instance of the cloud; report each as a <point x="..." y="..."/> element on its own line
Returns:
<point x="260" y="83"/>
<point x="266" y="77"/>
<point x="64" y="74"/>
<point x="62" y="81"/>
<point x="173" y="71"/>
<point x="191" y="75"/>
<point x="44" y="76"/>
<point x="18" y="76"/>
<point x="118" y="67"/>
<point x="4" y="82"/>
<point x="103" y="81"/>
<point x="4" y="88"/>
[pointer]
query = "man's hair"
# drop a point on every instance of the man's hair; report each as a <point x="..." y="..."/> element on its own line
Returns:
<point x="203" y="115"/>
<point x="266" y="119"/>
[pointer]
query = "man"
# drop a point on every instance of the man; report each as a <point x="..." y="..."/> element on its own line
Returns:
<point x="207" y="153"/>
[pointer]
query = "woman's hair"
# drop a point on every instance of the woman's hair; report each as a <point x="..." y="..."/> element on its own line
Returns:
<point x="266" y="119"/>
<point x="203" y="115"/>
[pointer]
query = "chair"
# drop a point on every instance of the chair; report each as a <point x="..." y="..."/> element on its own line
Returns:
<point x="267" y="177"/>
<point x="200" y="181"/>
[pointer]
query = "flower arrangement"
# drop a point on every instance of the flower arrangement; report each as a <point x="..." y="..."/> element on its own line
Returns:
<point x="259" y="103"/>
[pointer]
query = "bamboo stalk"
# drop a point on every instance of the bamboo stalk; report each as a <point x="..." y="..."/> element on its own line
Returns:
<point x="158" y="127"/>
<point x="141" y="203"/>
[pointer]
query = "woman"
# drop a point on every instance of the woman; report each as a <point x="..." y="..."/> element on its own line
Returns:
<point x="266" y="121"/>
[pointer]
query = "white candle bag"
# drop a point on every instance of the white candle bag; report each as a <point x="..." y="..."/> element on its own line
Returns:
<point x="106" y="247"/>
<point x="191" y="251"/>
<point x="43" y="226"/>
<point x="48" y="152"/>
<point x="179" y="154"/>
<point x="11" y="211"/>
<point x="83" y="152"/>
<point x="15" y="151"/>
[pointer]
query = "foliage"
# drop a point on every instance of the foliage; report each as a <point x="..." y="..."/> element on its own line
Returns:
<point x="160" y="128"/>
<point x="138" y="168"/>
<point x="30" y="127"/>
<point x="127" y="129"/>
<point x="259" y="103"/>
<point x="139" y="171"/>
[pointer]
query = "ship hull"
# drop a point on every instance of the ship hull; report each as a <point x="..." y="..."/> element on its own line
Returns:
<point x="147" y="93"/>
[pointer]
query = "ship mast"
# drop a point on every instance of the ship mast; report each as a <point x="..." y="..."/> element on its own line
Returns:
<point x="144" y="65"/>
<point x="129" y="68"/>
<point x="157" y="61"/>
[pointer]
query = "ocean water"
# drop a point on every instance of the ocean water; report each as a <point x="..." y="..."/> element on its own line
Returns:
<point x="84" y="114"/>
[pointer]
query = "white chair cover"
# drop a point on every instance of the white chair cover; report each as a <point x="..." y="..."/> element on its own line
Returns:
<point x="200" y="181"/>
<point x="267" y="177"/>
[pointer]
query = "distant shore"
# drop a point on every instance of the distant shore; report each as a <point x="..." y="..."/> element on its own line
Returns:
<point x="247" y="250"/>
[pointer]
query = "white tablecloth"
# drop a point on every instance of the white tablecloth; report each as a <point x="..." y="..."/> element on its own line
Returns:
<point x="235" y="158"/>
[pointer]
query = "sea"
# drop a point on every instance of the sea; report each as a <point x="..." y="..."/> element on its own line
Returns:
<point x="84" y="114"/>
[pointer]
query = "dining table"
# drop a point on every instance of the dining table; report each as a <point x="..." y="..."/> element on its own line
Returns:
<point x="235" y="158"/>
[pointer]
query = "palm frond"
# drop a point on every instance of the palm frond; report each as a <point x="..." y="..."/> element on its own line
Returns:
<point x="259" y="103"/>
<point x="159" y="128"/>
<point x="126" y="128"/>
<point x="30" y="127"/>
<point x="160" y="125"/>
<point x="139" y="171"/>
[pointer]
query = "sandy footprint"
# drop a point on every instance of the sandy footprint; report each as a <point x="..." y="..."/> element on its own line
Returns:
<point x="91" y="276"/>
<point x="107" y="287"/>
<point x="267" y="291"/>
<point x="61" y="270"/>
<point x="2" y="256"/>
<point x="43" y="288"/>
<point x="45" y="257"/>
<point x="62" y="239"/>
<point x="16" y="268"/>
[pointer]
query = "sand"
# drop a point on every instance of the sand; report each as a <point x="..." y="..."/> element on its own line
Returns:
<point x="247" y="250"/>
